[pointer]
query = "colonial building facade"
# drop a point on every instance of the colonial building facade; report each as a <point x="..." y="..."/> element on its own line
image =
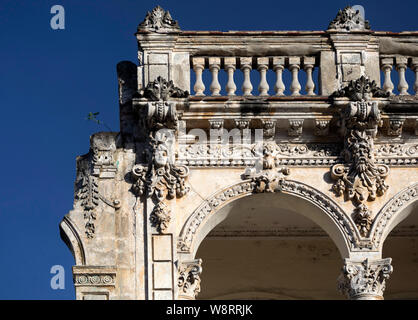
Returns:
<point x="254" y="165"/>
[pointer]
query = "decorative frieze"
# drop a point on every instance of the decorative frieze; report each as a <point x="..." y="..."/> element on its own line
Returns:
<point x="97" y="276"/>
<point x="94" y="280"/>
<point x="238" y="155"/>
<point x="189" y="278"/>
<point x="365" y="280"/>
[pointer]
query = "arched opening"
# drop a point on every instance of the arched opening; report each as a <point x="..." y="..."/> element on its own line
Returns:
<point x="402" y="246"/>
<point x="265" y="246"/>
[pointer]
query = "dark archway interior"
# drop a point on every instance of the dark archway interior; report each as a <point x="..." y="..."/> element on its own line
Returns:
<point x="265" y="249"/>
<point x="402" y="246"/>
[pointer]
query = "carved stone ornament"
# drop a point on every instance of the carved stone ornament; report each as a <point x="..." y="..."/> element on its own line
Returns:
<point x="395" y="127"/>
<point x="189" y="278"/>
<point x="349" y="19"/>
<point x="161" y="90"/>
<point x="94" y="280"/>
<point x="359" y="178"/>
<point x="266" y="176"/>
<point x="295" y="127"/>
<point x="96" y="165"/>
<point x="159" y="20"/>
<point x="160" y="217"/>
<point x="361" y="89"/>
<point x="365" y="280"/>
<point x="269" y="128"/>
<point x="159" y="179"/>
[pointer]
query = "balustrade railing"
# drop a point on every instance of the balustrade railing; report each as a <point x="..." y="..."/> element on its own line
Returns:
<point x="230" y="65"/>
<point x="399" y="64"/>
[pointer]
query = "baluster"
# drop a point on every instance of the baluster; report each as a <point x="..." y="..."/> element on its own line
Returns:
<point x="262" y="67"/>
<point x="308" y="65"/>
<point x="294" y="67"/>
<point x="230" y="88"/>
<point x="401" y="63"/>
<point x="247" y="87"/>
<point x="414" y="64"/>
<point x="198" y="67"/>
<point x="214" y="67"/>
<point x="387" y="64"/>
<point x="278" y="66"/>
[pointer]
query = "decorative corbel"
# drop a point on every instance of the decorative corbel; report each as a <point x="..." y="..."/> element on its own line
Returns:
<point x="359" y="178"/>
<point x="295" y="127"/>
<point x="156" y="176"/>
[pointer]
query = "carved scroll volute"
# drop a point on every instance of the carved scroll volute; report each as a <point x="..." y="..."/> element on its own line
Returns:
<point x="189" y="279"/>
<point x="359" y="178"/>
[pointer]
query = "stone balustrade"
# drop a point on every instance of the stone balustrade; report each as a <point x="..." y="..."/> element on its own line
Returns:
<point x="399" y="64"/>
<point x="247" y="87"/>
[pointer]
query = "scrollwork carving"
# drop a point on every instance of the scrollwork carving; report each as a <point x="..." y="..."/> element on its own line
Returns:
<point x="349" y="19"/>
<point x="359" y="178"/>
<point x="189" y="278"/>
<point x="159" y="20"/>
<point x="366" y="279"/>
<point x="159" y="179"/>
<point x="161" y="90"/>
<point x="361" y="89"/>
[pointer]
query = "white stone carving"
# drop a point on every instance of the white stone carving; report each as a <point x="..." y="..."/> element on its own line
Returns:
<point x="365" y="280"/>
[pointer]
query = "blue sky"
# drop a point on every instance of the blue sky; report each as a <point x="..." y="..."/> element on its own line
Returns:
<point x="51" y="79"/>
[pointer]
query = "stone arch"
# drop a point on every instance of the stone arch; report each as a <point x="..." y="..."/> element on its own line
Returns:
<point x="334" y="221"/>
<point x="398" y="208"/>
<point x="71" y="236"/>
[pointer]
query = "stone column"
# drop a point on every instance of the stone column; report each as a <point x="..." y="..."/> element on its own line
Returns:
<point x="364" y="280"/>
